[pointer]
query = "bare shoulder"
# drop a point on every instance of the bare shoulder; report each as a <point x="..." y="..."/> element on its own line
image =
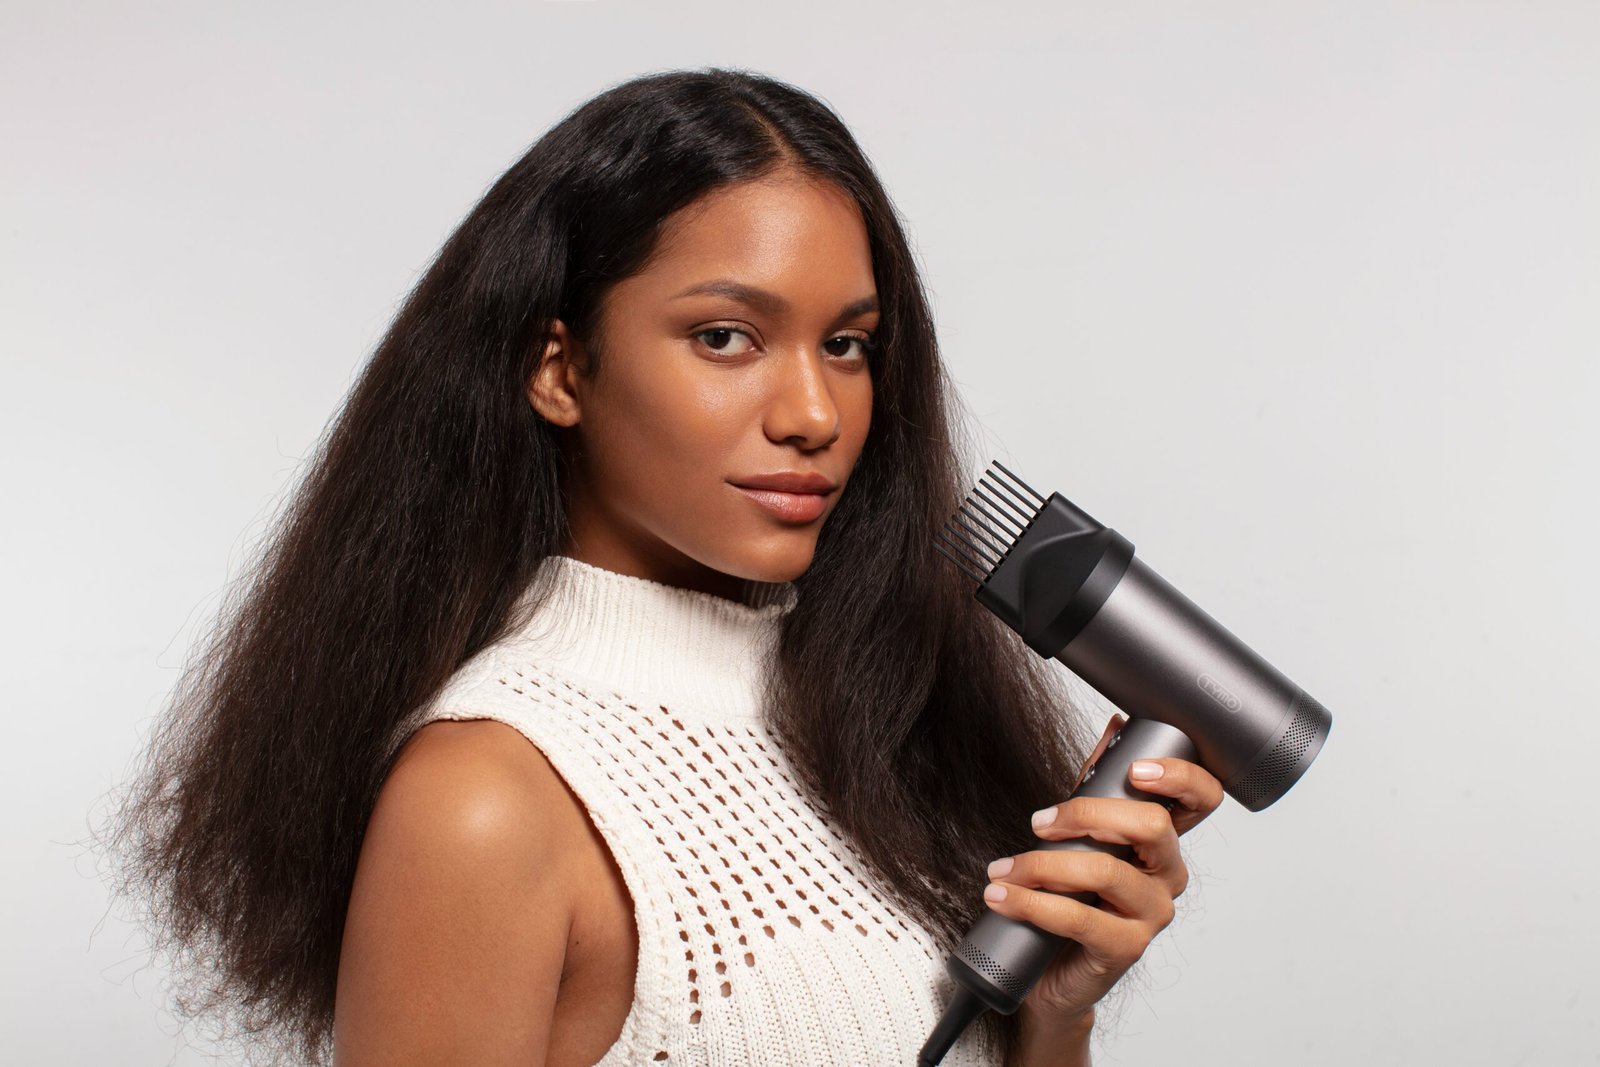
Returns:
<point x="480" y="778"/>
<point x="456" y="932"/>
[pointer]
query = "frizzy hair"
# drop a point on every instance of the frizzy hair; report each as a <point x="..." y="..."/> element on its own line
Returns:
<point x="926" y="731"/>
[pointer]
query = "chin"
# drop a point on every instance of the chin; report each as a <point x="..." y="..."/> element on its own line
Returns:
<point x="781" y="562"/>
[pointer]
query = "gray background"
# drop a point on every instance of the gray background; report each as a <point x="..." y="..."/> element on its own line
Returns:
<point x="1299" y="297"/>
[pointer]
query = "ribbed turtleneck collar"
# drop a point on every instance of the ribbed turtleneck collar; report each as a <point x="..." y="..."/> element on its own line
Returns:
<point x="698" y="651"/>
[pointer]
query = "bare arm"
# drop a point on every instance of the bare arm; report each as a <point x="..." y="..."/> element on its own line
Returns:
<point x="456" y="934"/>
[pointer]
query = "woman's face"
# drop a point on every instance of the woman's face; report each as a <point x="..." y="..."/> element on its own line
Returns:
<point x="737" y="357"/>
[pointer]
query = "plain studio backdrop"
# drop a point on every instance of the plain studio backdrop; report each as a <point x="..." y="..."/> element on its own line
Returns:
<point x="1301" y="298"/>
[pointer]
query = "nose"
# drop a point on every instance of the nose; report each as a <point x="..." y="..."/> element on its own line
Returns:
<point x="802" y="410"/>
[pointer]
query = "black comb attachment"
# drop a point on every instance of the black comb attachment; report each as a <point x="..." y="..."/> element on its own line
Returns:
<point x="1042" y="564"/>
<point x="996" y="513"/>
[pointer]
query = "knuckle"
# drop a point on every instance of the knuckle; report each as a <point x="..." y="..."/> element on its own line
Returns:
<point x="1117" y="958"/>
<point x="1154" y="821"/>
<point x="1067" y="870"/>
<point x="1081" y="813"/>
<point x="1043" y="867"/>
<point x="1103" y="966"/>
<point x="1076" y="921"/>
<point x="1111" y="873"/>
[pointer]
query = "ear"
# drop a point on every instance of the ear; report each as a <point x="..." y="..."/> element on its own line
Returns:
<point x="552" y="390"/>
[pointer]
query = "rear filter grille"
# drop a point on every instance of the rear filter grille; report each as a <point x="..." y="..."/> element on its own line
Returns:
<point x="1266" y="781"/>
<point x="979" y="961"/>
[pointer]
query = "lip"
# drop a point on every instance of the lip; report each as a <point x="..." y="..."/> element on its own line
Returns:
<point x="788" y="482"/>
<point x="792" y="496"/>
<point x="791" y="507"/>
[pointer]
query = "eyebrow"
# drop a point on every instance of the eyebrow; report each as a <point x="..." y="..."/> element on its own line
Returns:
<point x="768" y="303"/>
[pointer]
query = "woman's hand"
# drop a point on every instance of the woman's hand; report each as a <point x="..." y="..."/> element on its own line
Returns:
<point x="1136" y="898"/>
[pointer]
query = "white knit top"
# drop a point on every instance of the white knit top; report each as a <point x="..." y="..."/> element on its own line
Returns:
<point x="762" y="939"/>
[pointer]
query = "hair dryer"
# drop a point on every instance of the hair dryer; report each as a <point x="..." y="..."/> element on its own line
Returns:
<point x="1072" y="588"/>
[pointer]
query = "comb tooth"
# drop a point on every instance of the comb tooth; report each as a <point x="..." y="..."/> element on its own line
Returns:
<point x="1030" y="490"/>
<point x="1018" y="497"/>
<point x="986" y="552"/>
<point x="988" y="523"/>
<point x="995" y="517"/>
<point x="964" y="567"/>
<point x="985" y="535"/>
<point x="1009" y="508"/>
<point x="978" y="555"/>
<point x="997" y="523"/>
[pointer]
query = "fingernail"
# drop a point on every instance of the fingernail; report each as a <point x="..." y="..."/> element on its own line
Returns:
<point x="1044" y="817"/>
<point x="994" y="891"/>
<point x="1146" y="771"/>
<point x="1001" y="867"/>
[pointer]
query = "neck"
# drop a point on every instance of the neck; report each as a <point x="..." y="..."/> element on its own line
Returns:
<point x="643" y="640"/>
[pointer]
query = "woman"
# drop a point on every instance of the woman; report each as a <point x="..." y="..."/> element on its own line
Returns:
<point x="645" y="473"/>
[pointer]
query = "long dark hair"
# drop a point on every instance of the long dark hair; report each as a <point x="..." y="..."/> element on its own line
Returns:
<point x="924" y="729"/>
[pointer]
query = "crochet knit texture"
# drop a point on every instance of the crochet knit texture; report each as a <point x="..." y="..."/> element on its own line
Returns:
<point x="762" y="939"/>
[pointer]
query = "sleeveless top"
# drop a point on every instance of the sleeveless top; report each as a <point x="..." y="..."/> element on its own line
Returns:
<point x="762" y="939"/>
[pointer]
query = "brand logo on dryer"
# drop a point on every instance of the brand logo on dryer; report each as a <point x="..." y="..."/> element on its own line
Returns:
<point x="1219" y="692"/>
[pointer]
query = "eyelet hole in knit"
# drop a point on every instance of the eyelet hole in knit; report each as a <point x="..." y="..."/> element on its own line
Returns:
<point x="723" y="812"/>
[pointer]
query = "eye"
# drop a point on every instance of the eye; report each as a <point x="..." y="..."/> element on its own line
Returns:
<point x="866" y="346"/>
<point x="720" y="333"/>
<point x="719" y="336"/>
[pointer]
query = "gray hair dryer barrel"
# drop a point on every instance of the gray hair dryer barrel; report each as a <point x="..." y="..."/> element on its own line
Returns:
<point x="1073" y="590"/>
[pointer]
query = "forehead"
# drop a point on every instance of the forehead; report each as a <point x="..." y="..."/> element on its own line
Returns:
<point x="802" y="237"/>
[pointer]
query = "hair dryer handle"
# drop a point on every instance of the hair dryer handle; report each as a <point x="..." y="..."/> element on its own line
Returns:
<point x="1001" y="959"/>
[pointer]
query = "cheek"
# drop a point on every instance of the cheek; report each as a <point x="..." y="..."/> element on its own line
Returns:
<point x="856" y="415"/>
<point x="721" y="406"/>
<point x="693" y="412"/>
<point x="664" y="427"/>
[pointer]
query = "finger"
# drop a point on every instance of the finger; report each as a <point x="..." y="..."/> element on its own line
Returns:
<point x="1119" y="885"/>
<point x="1116" y="723"/>
<point x="1113" y="939"/>
<point x="1143" y="824"/>
<point x="1197" y="791"/>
